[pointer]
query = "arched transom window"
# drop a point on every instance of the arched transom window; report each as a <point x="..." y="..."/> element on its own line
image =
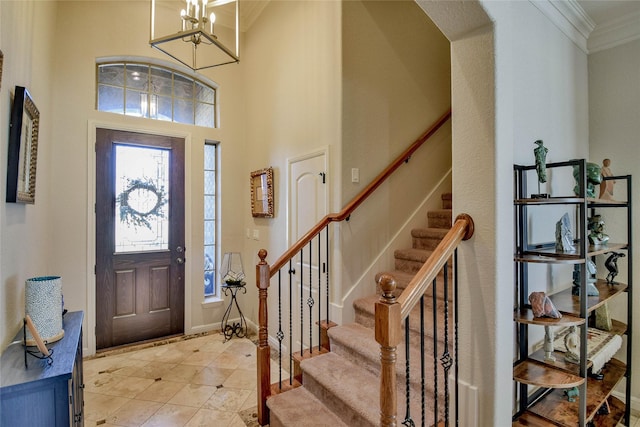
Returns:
<point x="155" y="92"/>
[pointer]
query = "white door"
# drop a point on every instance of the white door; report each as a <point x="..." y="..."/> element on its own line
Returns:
<point x="308" y="197"/>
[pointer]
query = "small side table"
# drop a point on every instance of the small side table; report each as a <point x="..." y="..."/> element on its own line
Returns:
<point x="238" y="329"/>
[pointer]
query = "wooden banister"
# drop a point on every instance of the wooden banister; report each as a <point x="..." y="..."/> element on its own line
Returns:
<point x="360" y="197"/>
<point x="390" y="312"/>
<point x="462" y="230"/>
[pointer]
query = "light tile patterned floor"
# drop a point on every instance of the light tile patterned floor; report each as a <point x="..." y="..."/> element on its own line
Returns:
<point x="196" y="382"/>
<point x="201" y="381"/>
<point x="634" y="422"/>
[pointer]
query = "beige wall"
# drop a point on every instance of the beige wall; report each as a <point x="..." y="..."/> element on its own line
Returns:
<point x="396" y="83"/>
<point x="51" y="49"/>
<point x="26" y="39"/>
<point x="614" y="126"/>
<point x="292" y="108"/>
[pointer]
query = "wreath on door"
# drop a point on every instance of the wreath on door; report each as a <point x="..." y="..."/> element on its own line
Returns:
<point x="141" y="202"/>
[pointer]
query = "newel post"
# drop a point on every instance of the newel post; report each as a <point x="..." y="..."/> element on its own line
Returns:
<point x="388" y="335"/>
<point x="263" y="351"/>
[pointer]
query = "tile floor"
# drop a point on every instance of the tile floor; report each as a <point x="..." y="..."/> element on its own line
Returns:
<point x="201" y="381"/>
<point x="634" y="422"/>
<point x="195" y="382"/>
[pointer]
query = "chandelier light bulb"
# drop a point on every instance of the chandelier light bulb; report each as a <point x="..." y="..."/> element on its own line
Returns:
<point x="212" y="19"/>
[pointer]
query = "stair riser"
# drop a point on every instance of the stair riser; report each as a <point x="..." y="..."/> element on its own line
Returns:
<point x="439" y="221"/>
<point x="373" y="366"/>
<point x="413" y="266"/>
<point x="427" y="243"/>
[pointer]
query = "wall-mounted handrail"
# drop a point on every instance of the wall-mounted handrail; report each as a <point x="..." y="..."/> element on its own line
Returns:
<point x="264" y="271"/>
<point x="360" y="197"/>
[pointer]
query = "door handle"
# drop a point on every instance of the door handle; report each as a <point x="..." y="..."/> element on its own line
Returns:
<point x="180" y="260"/>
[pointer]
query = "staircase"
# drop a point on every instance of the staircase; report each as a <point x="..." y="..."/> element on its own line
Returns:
<point x="341" y="387"/>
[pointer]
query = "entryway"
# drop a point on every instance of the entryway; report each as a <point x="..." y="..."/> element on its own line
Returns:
<point x="140" y="251"/>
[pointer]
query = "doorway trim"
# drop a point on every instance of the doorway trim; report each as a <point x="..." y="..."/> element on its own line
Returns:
<point x="90" y="314"/>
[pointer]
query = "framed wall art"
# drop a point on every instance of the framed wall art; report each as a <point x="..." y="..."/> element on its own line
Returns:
<point x="1" y="66"/>
<point x="262" y="193"/>
<point x="23" y="148"/>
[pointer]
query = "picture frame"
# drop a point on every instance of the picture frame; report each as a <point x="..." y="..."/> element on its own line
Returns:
<point x="1" y="67"/>
<point x="262" y="193"/>
<point x="23" y="148"/>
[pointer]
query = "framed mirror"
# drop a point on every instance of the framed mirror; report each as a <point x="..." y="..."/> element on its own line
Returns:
<point x="23" y="148"/>
<point x="262" y="193"/>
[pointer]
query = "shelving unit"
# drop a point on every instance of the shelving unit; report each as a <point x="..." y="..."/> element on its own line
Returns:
<point x="541" y="384"/>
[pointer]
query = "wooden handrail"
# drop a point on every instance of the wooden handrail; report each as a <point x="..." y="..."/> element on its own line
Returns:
<point x="462" y="230"/>
<point x="390" y="312"/>
<point x="361" y="197"/>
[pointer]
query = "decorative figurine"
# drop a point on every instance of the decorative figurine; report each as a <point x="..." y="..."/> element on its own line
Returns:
<point x="606" y="186"/>
<point x="597" y="236"/>
<point x="572" y="344"/>
<point x="572" y="393"/>
<point x="564" y="237"/>
<point x="603" y="317"/>
<point x="540" y="153"/>
<point x="592" y="291"/>
<point x="612" y="265"/>
<point x="593" y="178"/>
<point x="542" y="306"/>
<point x="549" y="337"/>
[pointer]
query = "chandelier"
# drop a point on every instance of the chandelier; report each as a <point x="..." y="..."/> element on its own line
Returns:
<point x="196" y="33"/>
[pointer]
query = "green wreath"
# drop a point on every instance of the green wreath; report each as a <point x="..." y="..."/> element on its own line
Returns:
<point x="134" y="217"/>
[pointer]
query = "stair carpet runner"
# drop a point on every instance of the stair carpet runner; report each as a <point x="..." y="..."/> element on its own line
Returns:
<point x="341" y="387"/>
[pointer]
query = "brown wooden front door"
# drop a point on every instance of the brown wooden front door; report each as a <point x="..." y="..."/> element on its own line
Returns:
<point x="140" y="250"/>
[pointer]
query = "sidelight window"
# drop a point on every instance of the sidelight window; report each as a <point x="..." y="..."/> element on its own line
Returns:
<point x="210" y="203"/>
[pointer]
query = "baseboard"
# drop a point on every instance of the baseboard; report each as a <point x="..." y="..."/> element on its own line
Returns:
<point x="635" y="402"/>
<point x="468" y="402"/>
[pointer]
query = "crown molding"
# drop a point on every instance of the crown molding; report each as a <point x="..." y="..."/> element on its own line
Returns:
<point x="569" y="17"/>
<point x="615" y="32"/>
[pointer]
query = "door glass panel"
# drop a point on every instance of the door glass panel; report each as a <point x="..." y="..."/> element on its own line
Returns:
<point x="142" y="195"/>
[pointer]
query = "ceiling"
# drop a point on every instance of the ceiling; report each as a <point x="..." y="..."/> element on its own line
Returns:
<point x="608" y="22"/>
<point x="604" y="12"/>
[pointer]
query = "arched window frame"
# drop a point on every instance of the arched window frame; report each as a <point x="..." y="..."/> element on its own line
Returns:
<point x="140" y="89"/>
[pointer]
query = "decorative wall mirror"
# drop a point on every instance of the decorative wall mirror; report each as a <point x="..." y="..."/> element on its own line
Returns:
<point x="23" y="148"/>
<point x="262" y="193"/>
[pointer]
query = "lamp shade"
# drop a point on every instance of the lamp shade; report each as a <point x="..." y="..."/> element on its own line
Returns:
<point x="43" y="303"/>
<point x="231" y="270"/>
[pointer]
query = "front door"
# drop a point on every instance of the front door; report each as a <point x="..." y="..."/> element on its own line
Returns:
<point x="140" y="250"/>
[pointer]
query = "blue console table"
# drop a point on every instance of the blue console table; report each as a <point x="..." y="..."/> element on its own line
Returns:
<point x="44" y="395"/>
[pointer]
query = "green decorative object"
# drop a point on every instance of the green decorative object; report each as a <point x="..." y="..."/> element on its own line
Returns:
<point x="593" y="177"/>
<point x="540" y="153"/>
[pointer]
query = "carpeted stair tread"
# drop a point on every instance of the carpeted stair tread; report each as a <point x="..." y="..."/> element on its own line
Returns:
<point x="299" y="407"/>
<point x="347" y="389"/>
<point x="357" y="344"/>
<point x="365" y="315"/>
